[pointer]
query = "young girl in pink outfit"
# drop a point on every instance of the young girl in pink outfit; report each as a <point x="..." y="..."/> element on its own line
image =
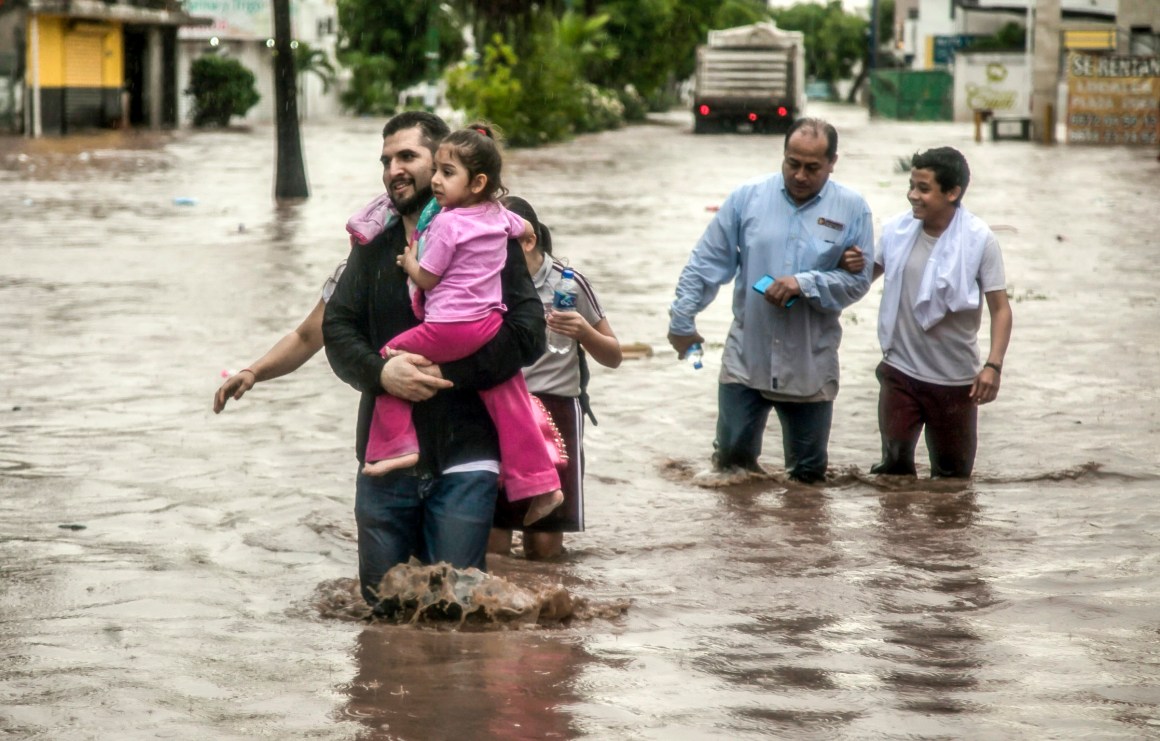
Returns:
<point x="463" y="251"/>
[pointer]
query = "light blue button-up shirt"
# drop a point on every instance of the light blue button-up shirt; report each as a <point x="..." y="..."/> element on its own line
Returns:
<point x="761" y="230"/>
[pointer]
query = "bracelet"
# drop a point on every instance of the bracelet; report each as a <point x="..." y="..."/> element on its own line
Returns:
<point x="994" y="366"/>
<point x="251" y="372"/>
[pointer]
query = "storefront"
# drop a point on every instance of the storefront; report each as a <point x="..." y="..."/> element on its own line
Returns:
<point x="92" y="64"/>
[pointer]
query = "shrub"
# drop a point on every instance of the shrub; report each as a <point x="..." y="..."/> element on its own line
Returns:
<point x="221" y="88"/>
<point x="599" y="109"/>
<point x="635" y="108"/>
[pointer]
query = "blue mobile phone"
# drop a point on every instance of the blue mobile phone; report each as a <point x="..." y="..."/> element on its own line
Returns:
<point x="766" y="281"/>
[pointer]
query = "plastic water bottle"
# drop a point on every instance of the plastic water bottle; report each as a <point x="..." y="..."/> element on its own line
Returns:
<point x="694" y="356"/>
<point x="563" y="300"/>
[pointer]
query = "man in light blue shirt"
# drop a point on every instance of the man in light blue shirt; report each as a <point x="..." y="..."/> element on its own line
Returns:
<point x="782" y="348"/>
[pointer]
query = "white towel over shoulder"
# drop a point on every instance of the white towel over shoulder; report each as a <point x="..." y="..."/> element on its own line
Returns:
<point x="950" y="280"/>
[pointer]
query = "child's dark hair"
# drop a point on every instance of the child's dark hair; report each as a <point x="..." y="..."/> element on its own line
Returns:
<point x="949" y="167"/>
<point x="522" y="208"/>
<point x="476" y="147"/>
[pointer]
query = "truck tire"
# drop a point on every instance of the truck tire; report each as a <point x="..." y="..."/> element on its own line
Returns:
<point x="703" y="125"/>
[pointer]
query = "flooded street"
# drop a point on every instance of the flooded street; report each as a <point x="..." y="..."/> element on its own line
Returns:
<point x="166" y="573"/>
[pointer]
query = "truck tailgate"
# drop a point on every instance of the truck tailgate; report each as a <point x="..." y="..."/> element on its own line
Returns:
<point x="743" y="73"/>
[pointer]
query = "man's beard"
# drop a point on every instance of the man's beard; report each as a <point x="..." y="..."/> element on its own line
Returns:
<point x="415" y="203"/>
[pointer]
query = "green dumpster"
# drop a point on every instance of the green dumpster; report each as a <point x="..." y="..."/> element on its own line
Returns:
<point x="912" y="95"/>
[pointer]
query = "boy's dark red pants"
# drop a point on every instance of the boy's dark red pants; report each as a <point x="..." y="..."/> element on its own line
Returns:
<point x="907" y="405"/>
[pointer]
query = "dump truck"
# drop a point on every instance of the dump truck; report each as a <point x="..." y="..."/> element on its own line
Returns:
<point x="749" y="77"/>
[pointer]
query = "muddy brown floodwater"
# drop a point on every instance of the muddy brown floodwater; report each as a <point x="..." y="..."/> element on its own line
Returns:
<point x="164" y="570"/>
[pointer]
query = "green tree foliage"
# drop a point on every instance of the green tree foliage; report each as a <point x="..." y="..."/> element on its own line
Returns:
<point x="542" y="96"/>
<point x="515" y="20"/>
<point x="221" y="88"/>
<point x="547" y="68"/>
<point x="835" y="40"/>
<point x="556" y="81"/>
<point x="384" y="43"/>
<point x="1010" y="37"/>
<point x="657" y="40"/>
<point x="734" y="13"/>
<point x="585" y="42"/>
<point x="369" y="90"/>
<point x="638" y="28"/>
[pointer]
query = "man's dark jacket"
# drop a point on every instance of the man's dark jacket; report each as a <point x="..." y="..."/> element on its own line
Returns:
<point x="371" y="305"/>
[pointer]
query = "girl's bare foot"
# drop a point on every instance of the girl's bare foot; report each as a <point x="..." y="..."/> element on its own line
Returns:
<point x="543" y="505"/>
<point x="386" y="465"/>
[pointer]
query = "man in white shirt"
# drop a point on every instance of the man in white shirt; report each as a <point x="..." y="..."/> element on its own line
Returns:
<point x="940" y="261"/>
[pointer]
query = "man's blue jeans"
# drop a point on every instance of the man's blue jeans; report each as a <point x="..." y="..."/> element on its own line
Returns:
<point x="445" y="518"/>
<point x="742" y="413"/>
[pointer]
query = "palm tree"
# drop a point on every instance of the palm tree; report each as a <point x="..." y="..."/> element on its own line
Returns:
<point x="290" y="175"/>
<point x="312" y="60"/>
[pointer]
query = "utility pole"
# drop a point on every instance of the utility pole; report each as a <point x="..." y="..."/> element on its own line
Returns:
<point x="290" y="174"/>
<point x="1045" y="69"/>
<point x="871" y="59"/>
<point x="36" y="127"/>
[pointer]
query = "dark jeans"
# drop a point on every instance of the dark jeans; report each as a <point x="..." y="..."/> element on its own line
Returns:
<point x="445" y="518"/>
<point x="742" y="413"/>
<point x="907" y="405"/>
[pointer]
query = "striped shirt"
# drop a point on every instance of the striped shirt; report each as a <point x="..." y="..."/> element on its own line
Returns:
<point x="554" y="373"/>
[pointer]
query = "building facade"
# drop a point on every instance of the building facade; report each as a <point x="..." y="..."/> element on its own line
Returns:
<point x="930" y="31"/>
<point x="77" y="65"/>
<point x="68" y="66"/>
<point x="1138" y="26"/>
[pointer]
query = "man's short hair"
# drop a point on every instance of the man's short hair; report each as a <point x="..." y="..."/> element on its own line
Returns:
<point x="431" y="127"/>
<point x="820" y="128"/>
<point x="949" y="167"/>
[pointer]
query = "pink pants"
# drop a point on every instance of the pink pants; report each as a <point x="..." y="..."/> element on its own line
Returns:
<point x="527" y="469"/>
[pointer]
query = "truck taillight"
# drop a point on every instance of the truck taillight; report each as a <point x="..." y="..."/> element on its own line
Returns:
<point x="704" y="110"/>
<point x="782" y="111"/>
<point x="752" y="116"/>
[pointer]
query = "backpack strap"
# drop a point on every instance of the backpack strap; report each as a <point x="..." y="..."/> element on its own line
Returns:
<point x="585" y="375"/>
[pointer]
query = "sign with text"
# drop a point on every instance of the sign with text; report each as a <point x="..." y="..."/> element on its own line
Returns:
<point x="999" y="82"/>
<point x="233" y="19"/>
<point x="1113" y="99"/>
<point x="944" y="47"/>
